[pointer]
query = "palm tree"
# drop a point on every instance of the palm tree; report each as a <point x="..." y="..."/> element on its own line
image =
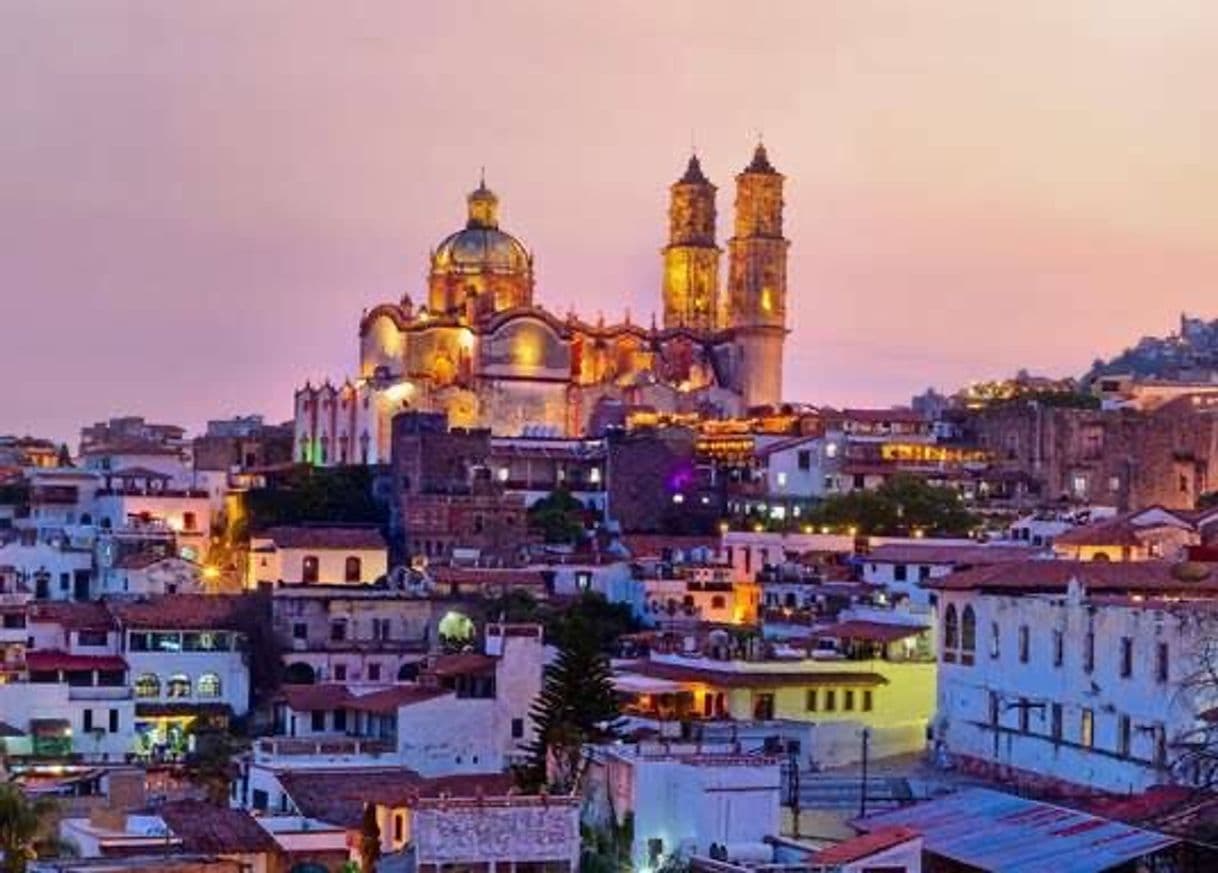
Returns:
<point x="21" y="821"/>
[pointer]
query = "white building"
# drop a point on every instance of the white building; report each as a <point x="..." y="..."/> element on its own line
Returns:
<point x="1085" y="673"/>
<point x="903" y="567"/>
<point x="684" y="799"/>
<point x="318" y="554"/>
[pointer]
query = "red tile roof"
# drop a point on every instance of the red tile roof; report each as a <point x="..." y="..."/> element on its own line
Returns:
<point x="205" y="827"/>
<point x="305" y="698"/>
<point x="931" y="552"/>
<point x="91" y="616"/>
<point x="326" y="794"/>
<point x="1150" y="577"/>
<point x="756" y="678"/>
<point x="182" y="611"/>
<point x="872" y="631"/>
<point x="325" y="537"/>
<point x="460" y="785"/>
<point x="861" y="848"/>
<point x="654" y="545"/>
<point x="42" y="660"/>
<point x="465" y="663"/>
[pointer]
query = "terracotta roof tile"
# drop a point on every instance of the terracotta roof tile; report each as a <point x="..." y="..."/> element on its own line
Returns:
<point x="462" y="664"/>
<point x="863" y="847"/>
<point x="1150" y="577"/>
<point x="325" y="537"/>
<point x="204" y="827"/>
<point x="872" y="631"/>
<point x="73" y="616"/>
<point x="326" y="794"/>
<point x="946" y="553"/>
<point x="459" y="785"/>
<point x="182" y="611"/>
<point x="42" y="660"/>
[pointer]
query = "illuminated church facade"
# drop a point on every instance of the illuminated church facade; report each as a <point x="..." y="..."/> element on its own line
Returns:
<point x="484" y="352"/>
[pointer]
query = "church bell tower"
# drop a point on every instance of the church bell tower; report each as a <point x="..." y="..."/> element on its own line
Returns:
<point x="757" y="281"/>
<point x="691" y="258"/>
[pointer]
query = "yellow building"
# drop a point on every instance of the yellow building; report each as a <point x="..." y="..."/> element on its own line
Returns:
<point x="483" y="351"/>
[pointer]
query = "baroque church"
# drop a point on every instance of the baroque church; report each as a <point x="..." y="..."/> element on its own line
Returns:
<point x="480" y="349"/>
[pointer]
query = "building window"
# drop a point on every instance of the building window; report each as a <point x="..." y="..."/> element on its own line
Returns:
<point x="88" y="721"/>
<point x="209" y="685"/>
<point x="1059" y="647"/>
<point x="1055" y="722"/>
<point x="1089" y="651"/>
<point x="517" y="728"/>
<point x="113" y="726"/>
<point x="147" y="685"/>
<point x="353" y="569"/>
<point x="1086" y="729"/>
<point x="189" y="521"/>
<point x="1023" y="644"/>
<point x="340" y="672"/>
<point x="848" y="700"/>
<point x="804" y="459"/>
<point x="1126" y="657"/>
<point x="994" y="709"/>
<point x="923" y="573"/>
<point x="900" y="572"/>
<point x="1161" y="668"/>
<point x="399" y="827"/>
<point x="339" y="718"/>
<point x="178" y="685"/>
<point x="300" y="630"/>
<point x="374" y="672"/>
<point x="317" y="720"/>
<point x="1024" y="715"/>
<point x="994" y="640"/>
<point x="968" y="635"/>
<point x="951" y="633"/>
<point x="1160" y="746"/>
<point x="310" y="569"/>
<point x="1124" y="736"/>
<point x="830" y="700"/>
<point x="810" y="700"/>
<point x="338" y="631"/>
<point x="718" y="602"/>
<point x="868" y="700"/>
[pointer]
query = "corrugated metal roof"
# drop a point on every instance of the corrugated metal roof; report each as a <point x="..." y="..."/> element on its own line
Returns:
<point x="1008" y="834"/>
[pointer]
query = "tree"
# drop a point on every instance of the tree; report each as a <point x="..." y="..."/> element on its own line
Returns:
<point x="21" y="822"/>
<point x="577" y="705"/>
<point x="901" y="504"/>
<point x="369" y="840"/>
<point x="558" y="517"/>
<point x="211" y="764"/>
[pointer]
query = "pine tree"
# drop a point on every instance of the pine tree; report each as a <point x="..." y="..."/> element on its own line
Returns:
<point x="577" y="705"/>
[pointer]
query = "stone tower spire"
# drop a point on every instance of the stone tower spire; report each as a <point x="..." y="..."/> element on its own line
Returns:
<point x="757" y="280"/>
<point x="691" y="258"/>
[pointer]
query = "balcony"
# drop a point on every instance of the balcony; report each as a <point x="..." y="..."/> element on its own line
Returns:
<point x="99" y="692"/>
<point x="267" y="748"/>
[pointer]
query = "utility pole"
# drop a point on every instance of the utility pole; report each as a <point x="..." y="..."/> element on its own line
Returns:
<point x="863" y="790"/>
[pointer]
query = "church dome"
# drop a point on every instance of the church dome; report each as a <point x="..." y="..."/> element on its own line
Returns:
<point x="481" y="247"/>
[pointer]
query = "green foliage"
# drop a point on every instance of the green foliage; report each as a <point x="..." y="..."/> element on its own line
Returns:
<point x="21" y="824"/>
<point x="591" y="615"/>
<point x="577" y="705"/>
<point x="558" y="517"/>
<point x="317" y="494"/>
<point x="901" y="504"/>
<point x="607" y="849"/>
<point x="369" y="840"/>
<point x="211" y="764"/>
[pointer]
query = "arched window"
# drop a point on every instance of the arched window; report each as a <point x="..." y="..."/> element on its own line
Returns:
<point x="968" y="630"/>
<point x="178" y="685"/>
<point x="951" y="628"/>
<point x="353" y="571"/>
<point x="209" y="685"/>
<point x="310" y="569"/>
<point x="147" y="685"/>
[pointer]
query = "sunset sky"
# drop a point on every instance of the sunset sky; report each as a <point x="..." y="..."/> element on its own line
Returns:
<point x="199" y="197"/>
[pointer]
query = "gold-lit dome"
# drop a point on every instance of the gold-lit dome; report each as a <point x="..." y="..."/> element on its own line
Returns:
<point x="481" y="247"/>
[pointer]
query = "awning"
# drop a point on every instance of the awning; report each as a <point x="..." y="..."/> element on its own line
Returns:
<point x="632" y="683"/>
<point x="870" y="631"/>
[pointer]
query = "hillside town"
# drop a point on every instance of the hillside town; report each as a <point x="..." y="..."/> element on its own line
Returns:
<point x="536" y="593"/>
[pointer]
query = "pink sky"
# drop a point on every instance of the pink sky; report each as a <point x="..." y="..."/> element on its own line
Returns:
<point x="198" y="198"/>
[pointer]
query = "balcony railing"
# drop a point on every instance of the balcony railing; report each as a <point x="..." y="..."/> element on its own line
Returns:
<point x="276" y="747"/>
<point x="99" y="692"/>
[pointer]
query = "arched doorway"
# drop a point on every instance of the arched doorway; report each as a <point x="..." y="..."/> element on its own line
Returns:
<point x="299" y="673"/>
